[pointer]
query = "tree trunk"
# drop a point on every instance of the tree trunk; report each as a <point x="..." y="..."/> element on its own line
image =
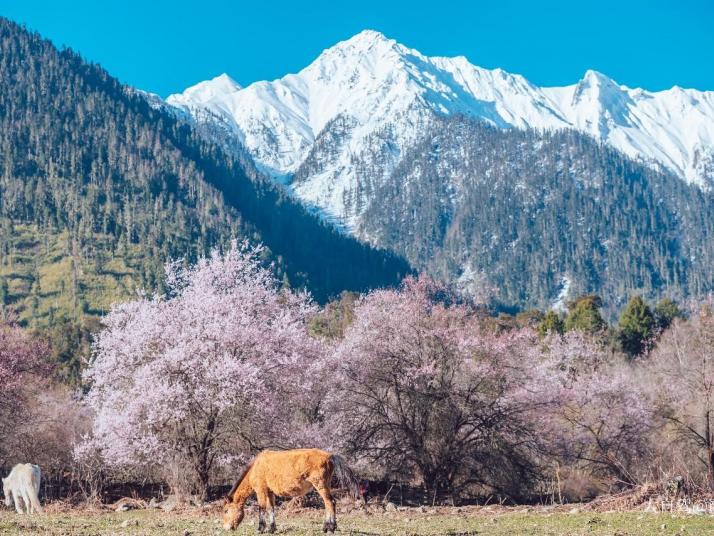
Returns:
<point x="202" y="474"/>
<point x="710" y="450"/>
<point x="204" y="459"/>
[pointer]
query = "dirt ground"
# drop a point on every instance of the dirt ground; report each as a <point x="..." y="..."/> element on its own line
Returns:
<point x="59" y="519"/>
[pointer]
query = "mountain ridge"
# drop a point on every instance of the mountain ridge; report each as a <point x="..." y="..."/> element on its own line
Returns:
<point x="364" y="134"/>
<point x="373" y="78"/>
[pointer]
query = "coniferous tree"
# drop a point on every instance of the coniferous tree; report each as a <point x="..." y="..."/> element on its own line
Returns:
<point x="636" y="326"/>
<point x="4" y="292"/>
<point x="665" y="312"/>
<point x="551" y="323"/>
<point x="584" y="315"/>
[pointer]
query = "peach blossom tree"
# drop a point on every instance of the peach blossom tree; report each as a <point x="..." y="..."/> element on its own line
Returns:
<point x="221" y="365"/>
<point x="22" y="363"/>
<point x="427" y="391"/>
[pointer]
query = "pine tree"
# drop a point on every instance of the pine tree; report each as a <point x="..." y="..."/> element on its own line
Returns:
<point x="4" y="292"/>
<point x="551" y="323"/>
<point x="636" y="326"/>
<point x="584" y="315"/>
<point x="665" y="312"/>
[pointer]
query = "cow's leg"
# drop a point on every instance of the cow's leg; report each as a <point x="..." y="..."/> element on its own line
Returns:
<point x="35" y="493"/>
<point x="16" y="500"/>
<point x="35" y="501"/>
<point x="323" y="488"/>
<point x="261" y="519"/>
<point x="271" y="512"/>
<point x="262" y="496"/>
<point x="26" y="498"/>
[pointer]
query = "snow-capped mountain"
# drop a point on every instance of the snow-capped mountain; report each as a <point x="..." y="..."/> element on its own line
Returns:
<point x="337" y="128"/>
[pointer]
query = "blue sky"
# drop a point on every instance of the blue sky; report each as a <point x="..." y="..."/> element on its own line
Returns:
<point x="165" y="46"/>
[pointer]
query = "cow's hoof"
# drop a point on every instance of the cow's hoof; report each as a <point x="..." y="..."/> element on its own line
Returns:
<point x="272" y="528"/>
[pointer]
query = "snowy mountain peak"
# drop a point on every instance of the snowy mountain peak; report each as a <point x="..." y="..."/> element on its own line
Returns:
<point x="369" y="97"/>
<point x="365" y="40"/>
<point x="216" y="87"/>
<point x="593" y="85"/>
<point x="359" y="61"/>
<point x="593" y="77"/>
<point x="225" y="80"/>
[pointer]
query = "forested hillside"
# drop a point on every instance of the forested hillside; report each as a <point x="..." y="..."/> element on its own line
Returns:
<point x="540" y="216"/>
<point x="98" y="189"/>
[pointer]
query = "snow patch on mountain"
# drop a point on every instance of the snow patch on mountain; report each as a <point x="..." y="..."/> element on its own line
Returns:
<point x="559" y="304"/>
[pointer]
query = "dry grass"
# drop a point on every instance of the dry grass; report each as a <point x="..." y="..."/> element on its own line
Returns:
<point x="61" y="519"/>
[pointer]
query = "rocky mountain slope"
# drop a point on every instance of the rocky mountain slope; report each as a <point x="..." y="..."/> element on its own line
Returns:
<point x="542" y="217"/>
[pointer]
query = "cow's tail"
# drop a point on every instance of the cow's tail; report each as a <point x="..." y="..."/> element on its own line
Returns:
<point x="345" y="476"/>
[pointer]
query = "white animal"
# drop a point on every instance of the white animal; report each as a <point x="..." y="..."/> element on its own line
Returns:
<point x="23" y="482"/>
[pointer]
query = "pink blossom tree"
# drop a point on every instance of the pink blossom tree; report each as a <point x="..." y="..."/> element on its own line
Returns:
<point x="603" y="418"/>
<point x="22" y="363"/>
<point x="220" y="366"/>
<point x="682" y="371"/>
<point x="426" y="391"/>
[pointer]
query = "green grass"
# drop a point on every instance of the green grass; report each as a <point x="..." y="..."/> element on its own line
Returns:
<point x="513" y="521"/>
<point x="47" y="278"/>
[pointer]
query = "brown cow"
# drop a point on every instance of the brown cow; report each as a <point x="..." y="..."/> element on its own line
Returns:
<point x="287" y="473"/>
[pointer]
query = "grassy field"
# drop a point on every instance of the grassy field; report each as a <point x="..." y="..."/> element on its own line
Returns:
<point x="45" y="276"/>
<point x="469" y="521"/>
